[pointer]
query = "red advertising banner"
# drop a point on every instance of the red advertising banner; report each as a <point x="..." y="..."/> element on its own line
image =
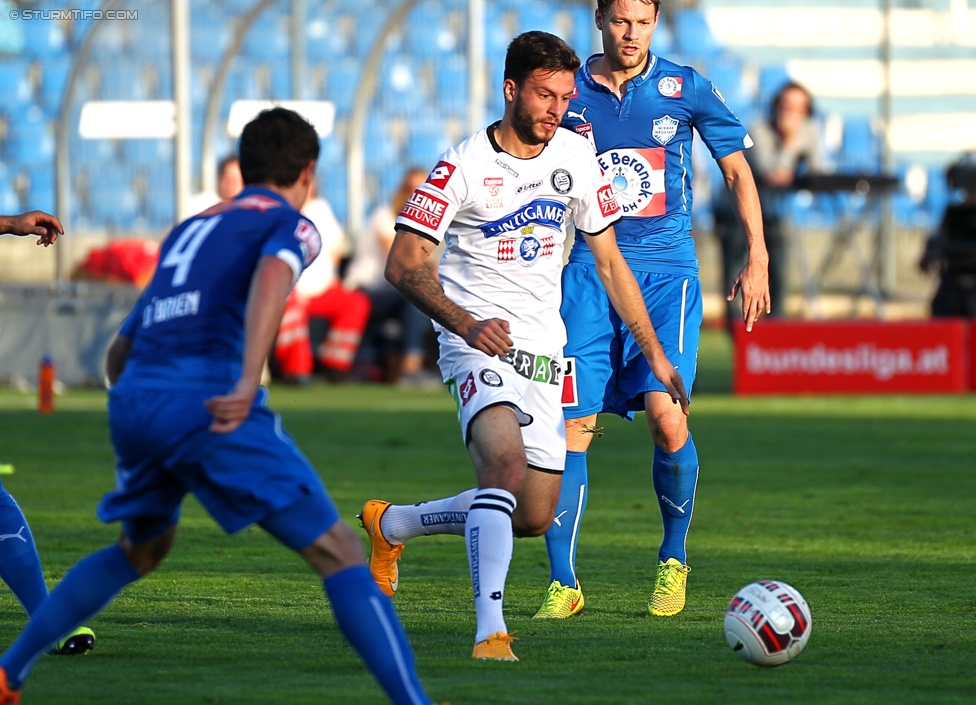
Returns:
<point x="972" y="357"/>
<point x="870" y="357"/>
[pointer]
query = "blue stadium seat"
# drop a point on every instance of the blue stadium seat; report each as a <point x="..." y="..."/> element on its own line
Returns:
<point x="30" y="141"/>
<point x="114" y="206"/>
<point x="692" y="34"/>
<point x="428" y="33"/>
<point x="663" y="43"/>
<point x="15" y="85"/>
<point x="452" y="85"/>
<point x="43" y="39"/>
<point x="331" y="152"/>
<point x="148" y="154"/>
<point x="726" y="72"/>
<point x="267" y="41"/>
<point x="324" y="42"/>
<point x="771" y="79"/>
<point x="401" y="89"/>
<point x="937" y="195"/>
<point x="90" y="153"/>
<point x="860" y="146"/>
<point x="427" y="139"/>
<point x="209" y="36"/>
<point x="122" y="81"/>
<point x="342" y="82"/>
<point x="584" y="33"/>
<point x="333" y="187"/>
<point x="537" y="15"/>
<point x="497" y="33"/>
<point x="160" y="203"/>
<point x="381" y="151"/>
<point x="40" y="192"/>
<point x="240" y="85"/>
<point x="54" y="76"/>
<point x="281" y="81"/>
<point x="9" y="202"/>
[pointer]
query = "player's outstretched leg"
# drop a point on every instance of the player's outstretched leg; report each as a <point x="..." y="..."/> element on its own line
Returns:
<point x="20" y="569"/>
<point x="84" y="592"/>
<point x="20" y="566"/>
<point x="675" y="478"/>
<point x="390" y="525"/>
<point x="488" y="532"/>
<point x="564" y="597"/>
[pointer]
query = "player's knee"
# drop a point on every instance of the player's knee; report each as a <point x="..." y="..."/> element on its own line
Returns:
<point x="530" y="523"/>
<point x="669" y="433"/>
<point x="336" y="549"/>
<point x="146" y="556"/>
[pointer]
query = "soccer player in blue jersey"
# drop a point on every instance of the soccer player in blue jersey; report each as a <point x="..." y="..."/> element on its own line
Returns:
<point x="20" y="566"/>
<point x="639" y="110"/>
<point x="187" y="414"/>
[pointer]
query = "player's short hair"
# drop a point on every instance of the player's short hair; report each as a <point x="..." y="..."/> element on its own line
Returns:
<point x="535" y="50"/>
<point x="604" y="5"/>
<point x="275" y="147"/>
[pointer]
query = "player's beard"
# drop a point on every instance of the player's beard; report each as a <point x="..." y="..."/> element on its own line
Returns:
<point x="524" y="125"/>
<point x="625" y="62"/>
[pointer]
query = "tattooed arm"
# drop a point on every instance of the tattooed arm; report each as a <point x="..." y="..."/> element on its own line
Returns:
<point x="628" y="301"/>
<point x="407" y="271"/>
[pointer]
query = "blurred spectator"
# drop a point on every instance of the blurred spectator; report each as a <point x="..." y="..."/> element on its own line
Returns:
<point x="390" y="311"/>
<point x="229" y="184"/>
<point x="788" y="143"/>
<point x="951" y="250"/>
<point x="320" y="294"/>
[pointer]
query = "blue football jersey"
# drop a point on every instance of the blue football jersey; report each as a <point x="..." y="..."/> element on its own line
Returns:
<point x="188" y="325"/>
<point x="643" y="143"/>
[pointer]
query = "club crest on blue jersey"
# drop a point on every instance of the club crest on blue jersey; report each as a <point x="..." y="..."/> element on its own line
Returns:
<point x="664" y="129"/>
<point x="542" y="211"/>
<point x="670" y="86"/>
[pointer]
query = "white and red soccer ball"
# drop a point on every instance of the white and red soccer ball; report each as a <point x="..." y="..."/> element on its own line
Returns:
<point x="768" y="623"/>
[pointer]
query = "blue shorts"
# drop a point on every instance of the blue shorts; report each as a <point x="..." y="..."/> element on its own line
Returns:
<point x="164" y="449"/>
<point x="611" y="373"/>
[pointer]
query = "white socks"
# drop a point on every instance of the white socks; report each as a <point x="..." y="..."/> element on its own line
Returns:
<point x="402" y="522"/>
<point x="488" y="534"/>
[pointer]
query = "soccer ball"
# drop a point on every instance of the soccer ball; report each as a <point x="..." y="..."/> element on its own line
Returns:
<point x="768" y="623"/>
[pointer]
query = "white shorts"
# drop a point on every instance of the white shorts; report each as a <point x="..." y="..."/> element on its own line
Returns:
<point x="530" y="384"/>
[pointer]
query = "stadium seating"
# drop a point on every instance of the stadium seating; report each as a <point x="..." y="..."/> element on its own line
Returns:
<point x="423" y="83"/>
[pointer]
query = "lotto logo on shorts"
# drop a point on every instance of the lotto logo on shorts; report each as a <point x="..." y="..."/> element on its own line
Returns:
<point x="424" y="209"/>
<point x="570" y="392"/>
<point x="441" y="174"/>
<point x="608" y="202"/>
<point x="467" y="389"/>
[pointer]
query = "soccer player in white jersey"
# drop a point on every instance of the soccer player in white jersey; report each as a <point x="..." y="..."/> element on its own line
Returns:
<point x="501" y="201"/>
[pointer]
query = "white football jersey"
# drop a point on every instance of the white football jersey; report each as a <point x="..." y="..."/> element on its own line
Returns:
<point x="503" y="221"/>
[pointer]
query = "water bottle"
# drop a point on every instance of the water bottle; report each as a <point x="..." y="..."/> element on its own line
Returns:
<point x="45" y="386"/>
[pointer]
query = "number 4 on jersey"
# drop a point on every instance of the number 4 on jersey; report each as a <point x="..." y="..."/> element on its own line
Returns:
<point x="185" y="248"/>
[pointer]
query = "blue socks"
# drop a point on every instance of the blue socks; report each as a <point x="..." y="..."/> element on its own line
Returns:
<point x="675" y="478"/>
<point x="84" y="592"/>
<point x="368" y="621"/>
<point x="20" y="566"/>
<point x="562" y="535"/>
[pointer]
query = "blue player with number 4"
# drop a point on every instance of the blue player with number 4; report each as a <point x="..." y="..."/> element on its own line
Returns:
<point x="187" y="414"/>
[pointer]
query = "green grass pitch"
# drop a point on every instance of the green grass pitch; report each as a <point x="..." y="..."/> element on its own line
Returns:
<point x="867" y="505"/>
